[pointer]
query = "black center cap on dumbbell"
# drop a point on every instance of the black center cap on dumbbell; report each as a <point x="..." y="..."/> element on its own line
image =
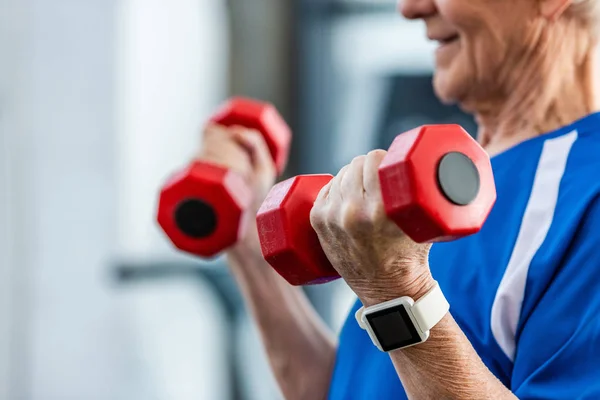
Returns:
<point x="458" y="178"/>
<point x="195" y="218"/>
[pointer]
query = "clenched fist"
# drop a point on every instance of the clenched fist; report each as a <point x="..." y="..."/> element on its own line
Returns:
<point x="245" y="152"/>
<point x="375" y="258"/>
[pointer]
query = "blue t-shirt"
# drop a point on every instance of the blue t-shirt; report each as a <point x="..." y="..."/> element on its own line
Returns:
<point x="526" y="289"/>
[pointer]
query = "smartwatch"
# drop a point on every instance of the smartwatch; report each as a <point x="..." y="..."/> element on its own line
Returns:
<point x="402" y="322"/>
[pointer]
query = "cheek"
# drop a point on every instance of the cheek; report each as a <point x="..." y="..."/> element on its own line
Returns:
<point x="481" y="65"/>
<point x="484" y="29"/>
<point x="476" y="70"/>
<point x="486" y="53"/>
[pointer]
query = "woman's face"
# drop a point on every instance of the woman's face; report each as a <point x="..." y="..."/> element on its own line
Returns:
<point x="479" y="41"/>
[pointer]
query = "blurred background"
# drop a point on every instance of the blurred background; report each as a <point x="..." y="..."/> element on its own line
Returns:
<point x="100" y="101"/>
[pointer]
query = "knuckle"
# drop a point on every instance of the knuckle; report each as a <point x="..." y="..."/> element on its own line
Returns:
<point x="254" y="135"/>
<point x="341" y="176"/>
<point x="358" y="160"/>
<point x="377" y="154"/>
<point x="212" y="130"/>
<point x="241" y="131"/>
<point x="234" y="130"/>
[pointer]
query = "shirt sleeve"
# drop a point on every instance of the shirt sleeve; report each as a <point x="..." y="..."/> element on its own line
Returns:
<point x="558" y="347"/>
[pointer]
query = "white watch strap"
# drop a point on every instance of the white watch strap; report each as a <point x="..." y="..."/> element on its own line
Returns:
<point x="431" y="308"/>
<point x="428" y="310"/>
<point x="358" y="315"/>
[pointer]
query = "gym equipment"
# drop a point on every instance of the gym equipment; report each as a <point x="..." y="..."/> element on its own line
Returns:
<point x="437" y="185"/>
<point x="204" y="208"/>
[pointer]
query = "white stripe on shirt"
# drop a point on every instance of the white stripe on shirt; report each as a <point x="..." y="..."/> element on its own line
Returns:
<point x="506" y="310"/>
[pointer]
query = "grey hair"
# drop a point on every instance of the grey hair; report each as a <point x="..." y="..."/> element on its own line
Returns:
<point x="588" y="11"/>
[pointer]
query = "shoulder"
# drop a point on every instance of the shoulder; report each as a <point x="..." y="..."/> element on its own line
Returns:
<point x="562" y="205"/>
<point x="578" y="191"/>
<point x="584" y="151"/>
<point x="552" y="181"/>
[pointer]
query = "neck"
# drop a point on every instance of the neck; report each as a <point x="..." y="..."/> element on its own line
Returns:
<point x="545" y="95"/>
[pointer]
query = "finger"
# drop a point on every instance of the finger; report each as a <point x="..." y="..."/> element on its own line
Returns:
<point x="352" y="182"/>
<point x="212" y="133"/>
<point x="335" y="193"/>
<point x="323" y="194"/>
<point x="216" y="132"/>
<point x="371" y="173"/>
<point x="256" y="145"/>
<point x="319" y="207"/>
<point x="219" y="147"/>
<point x="212" y="128"/>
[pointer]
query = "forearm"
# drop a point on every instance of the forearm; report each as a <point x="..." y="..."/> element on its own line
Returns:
<point x="300" y="348"/>
<point x="446" y="366"/>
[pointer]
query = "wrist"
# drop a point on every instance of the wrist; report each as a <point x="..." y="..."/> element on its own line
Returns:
<point x="248" y="243"/>
<point x="403" y="321"/>
<point x="414" y="287"/>
<point x="246" y="260"/>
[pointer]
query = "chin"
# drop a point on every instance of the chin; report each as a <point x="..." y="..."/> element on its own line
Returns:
<point x="445" y="89"/>
<point x="454" y="85"/>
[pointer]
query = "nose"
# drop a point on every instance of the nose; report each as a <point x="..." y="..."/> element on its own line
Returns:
<point x="416" y="9"/>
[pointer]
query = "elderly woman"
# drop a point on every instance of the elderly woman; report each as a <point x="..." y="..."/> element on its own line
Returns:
<point x="524" y="292"/>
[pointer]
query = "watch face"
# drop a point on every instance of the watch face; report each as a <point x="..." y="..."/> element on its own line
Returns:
<point x="394" y="328"/>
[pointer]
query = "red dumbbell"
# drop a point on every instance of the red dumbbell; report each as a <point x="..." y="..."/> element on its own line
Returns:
<point x="203" y="209"/>
<point x="436" y="183"/>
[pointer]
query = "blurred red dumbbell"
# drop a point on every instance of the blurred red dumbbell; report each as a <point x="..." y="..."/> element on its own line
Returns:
<point x="203" y="209"/>
<point x="437" y="185"/>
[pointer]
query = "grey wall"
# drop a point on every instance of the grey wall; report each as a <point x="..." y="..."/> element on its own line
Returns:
<point x="262" y="50"/>
<point x="57" y="205"/>
<point x="72" y="195"/>
<point x="74" y="159"/>
<point x="13" y="123"/>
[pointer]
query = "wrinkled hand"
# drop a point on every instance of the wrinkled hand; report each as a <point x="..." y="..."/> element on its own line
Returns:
<point x="246" y="152"/>
<point x="375" y="258"/>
